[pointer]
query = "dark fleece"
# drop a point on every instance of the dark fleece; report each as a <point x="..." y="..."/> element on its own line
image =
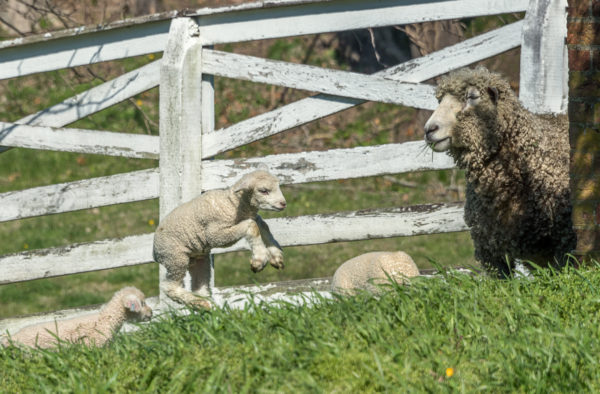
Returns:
<point x="517" y="171"/>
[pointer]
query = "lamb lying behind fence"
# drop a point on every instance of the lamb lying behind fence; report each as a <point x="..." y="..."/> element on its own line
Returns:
<point x="369" y="270"/>
<point x="217" y="218"/>
<point x="95" y="329"/>
<point x="517" y="170"/>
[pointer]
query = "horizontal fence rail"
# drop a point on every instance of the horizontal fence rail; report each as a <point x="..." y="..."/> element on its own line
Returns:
<point x="291" y="168"/>
<point x="324" y="228"/>
<point x="137" y="146"/>
<point x="78" y="195"/>
<point x="238" y="25"/>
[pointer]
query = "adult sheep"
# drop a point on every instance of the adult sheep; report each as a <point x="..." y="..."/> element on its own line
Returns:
<point x="516" y="166"/>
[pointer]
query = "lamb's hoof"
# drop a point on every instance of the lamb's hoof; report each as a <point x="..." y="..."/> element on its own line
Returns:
<point x="276" y="257"/>
<point x="202" y="303"/>
<point x="257" y="265"/>
<point x="277" y="263"/>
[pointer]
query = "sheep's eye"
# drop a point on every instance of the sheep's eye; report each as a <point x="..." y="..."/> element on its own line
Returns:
<point x="263" y="191"/>
<point x="472" y="96"/>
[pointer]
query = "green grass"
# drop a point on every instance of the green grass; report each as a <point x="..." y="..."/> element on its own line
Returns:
<point x="514" y="335"/>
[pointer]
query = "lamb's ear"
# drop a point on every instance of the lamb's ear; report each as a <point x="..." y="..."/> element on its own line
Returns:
<point x="493" y="92"/>
<point x="133" y="303"/>
<point x="243" y="184"/>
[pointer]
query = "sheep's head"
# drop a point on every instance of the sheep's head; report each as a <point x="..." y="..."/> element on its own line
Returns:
<point x="466" y="119"/>
<point x="134" y="302"/>
<point x="261" y="190"/>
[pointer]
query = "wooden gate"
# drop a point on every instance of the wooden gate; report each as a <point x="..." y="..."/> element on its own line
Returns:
<point x="188" y="138"/>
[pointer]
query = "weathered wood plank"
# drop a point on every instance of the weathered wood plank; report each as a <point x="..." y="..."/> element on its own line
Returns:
<point x="319" y="106"/>
<point x="291" y="168"/>
<point x="316" y="79"/>
<point x="79" y="140"/>
<point x="76" y="47"/>
<point x="84" y="257"/>
<point x="78" y="50"/>
<point x="140" y="20"/>
<point x="292" y="231"/>
<point x="97" y="98"/>
<point x="544" y="59"/>
<point x="180" y="117"/>
<point x="361" y="225"/>
<point x="329" y="165"/>
<point x="182" y="91"/>
<point x="84" y="194"/>
<point x="334" y="16"/>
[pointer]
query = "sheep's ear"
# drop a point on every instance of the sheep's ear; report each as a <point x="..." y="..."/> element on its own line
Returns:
<point x="493" y="92"/>
<point x="133" y="304"/>
<point x="243" y="184"/>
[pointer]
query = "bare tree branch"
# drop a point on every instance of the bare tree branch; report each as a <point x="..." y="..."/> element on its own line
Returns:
<point x="5" y="22"/>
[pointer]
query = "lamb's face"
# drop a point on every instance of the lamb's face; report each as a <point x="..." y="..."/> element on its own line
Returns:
<point x="263" y="191"/>
<point x="267" y="195"/>
<point x="136" y="307"/>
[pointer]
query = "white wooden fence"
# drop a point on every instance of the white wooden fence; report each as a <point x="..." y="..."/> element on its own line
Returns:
<point x="187" y="135"/>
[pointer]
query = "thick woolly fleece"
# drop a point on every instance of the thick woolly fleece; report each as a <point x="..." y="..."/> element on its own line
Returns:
<point x="95" y="329"/>
<point x="368" y="271"/>
<point x="517" y="171"/>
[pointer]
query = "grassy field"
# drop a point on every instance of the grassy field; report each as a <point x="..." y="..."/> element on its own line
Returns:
<point x="452" y="333"/>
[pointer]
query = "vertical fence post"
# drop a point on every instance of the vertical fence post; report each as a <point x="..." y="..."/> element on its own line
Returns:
<point x="544" y="61"/>
<point x="181" y="120"/>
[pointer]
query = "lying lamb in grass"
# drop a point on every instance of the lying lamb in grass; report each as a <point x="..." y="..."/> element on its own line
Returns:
<point x="369" y="270"/>
<point x="517" y="170"/>
<point x="95" y="329"/>
<point x="217" y="218"/>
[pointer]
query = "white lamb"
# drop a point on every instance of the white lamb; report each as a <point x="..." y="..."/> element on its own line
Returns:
<point x="95" y="329"/>
<point x="367" y="271"/>
<point x="217" y="218"/>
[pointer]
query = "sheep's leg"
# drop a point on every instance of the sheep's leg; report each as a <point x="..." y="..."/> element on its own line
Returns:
<point x="260" y="253"/>
<point x="247" y="229"/>
<point x="500" y="267"/>
<point x="200" y="271"/>
<point x="177" y="265"/>
<point x="275" y="251"/>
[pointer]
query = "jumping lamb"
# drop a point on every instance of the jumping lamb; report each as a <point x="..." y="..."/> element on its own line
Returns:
<point x="94" y="329"/>
<point x="516" y="166"/>
<point x="217" y="218"/>
<point x="368" y="271"/>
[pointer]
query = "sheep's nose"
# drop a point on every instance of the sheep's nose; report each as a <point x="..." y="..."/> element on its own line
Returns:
<point x="430" y="129"/>
<point x="283" y="204"/>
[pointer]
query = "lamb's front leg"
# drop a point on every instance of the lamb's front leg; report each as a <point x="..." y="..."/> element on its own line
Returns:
<point x="249" y="230"/>
<point x="275" y="251"/>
